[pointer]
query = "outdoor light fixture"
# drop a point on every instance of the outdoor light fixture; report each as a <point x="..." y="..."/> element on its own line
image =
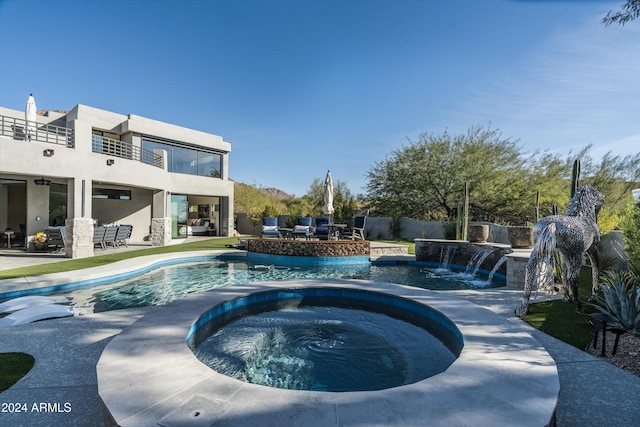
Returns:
<point x="42" y="181"/>
<point x="48" y="152"/>
<point x="110" y="162"/>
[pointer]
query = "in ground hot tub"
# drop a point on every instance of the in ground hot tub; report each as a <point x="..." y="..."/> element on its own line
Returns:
<point x="325" y="339"/>
<point x="148" y="375"/>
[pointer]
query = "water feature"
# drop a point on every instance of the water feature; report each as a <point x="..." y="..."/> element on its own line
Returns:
<point x="496" y="267"/>
<point x="476" y="261"/>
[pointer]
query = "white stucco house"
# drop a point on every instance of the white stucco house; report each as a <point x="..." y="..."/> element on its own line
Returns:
<point x="89" y="167"/>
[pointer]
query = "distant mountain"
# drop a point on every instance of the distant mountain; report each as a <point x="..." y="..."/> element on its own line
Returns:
<point x="276" y="193"/>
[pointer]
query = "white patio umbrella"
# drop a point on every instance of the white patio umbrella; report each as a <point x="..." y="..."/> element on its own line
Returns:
<point x="30" y="115"/>
<point x="328" y="194"/>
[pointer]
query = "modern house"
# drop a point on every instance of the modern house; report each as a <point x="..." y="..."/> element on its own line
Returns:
<point x="89" y="167"/>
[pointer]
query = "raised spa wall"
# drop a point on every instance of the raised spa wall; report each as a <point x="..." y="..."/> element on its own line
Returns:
<point x="310" y="248"/>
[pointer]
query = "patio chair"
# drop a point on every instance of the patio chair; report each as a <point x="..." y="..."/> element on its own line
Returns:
<point x="322" y="227"/>
<point x="124" y="232"/>
<point x="110" y="236"/>
<point x="55" y="237"/>
<point x="302" y="228"/>
<point x="98" y="236"/>
<point x="357" y="231"/>
<point x="270" y="228"/>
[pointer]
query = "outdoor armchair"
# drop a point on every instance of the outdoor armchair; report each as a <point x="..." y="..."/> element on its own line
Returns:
<point x="302" y="228"/>
<point x="270" y="227"/>
<point x="357" y="231"/>
<point x="322" y="227"/>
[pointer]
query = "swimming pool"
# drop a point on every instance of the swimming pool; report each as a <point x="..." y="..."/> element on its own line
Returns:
<point x="165" y="284"/>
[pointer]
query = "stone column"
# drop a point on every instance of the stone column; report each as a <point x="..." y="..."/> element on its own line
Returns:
<point x="79" y="238"/>
<point x="160" y="231"/>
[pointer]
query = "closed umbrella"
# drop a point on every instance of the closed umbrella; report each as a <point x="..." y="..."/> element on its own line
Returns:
<point x="30" y="116"/>
<point x="328" y="194"/>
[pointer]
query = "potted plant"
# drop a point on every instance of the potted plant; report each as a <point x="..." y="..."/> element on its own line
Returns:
<point x="39" y="241"/>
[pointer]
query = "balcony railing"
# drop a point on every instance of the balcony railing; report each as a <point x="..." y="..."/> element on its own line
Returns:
<point x="21" y="130"/>
<point x="125" y="150"/>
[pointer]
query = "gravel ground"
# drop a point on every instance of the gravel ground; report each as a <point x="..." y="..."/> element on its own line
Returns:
<point x="627" y="356"/>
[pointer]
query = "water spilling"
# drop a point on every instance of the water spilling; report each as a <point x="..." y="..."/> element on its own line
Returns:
<point x="477" y="259"/>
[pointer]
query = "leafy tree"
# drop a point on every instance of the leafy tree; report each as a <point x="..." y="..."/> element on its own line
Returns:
<point x="249" y="198"/>
<point x="630" y="11"/>
<point x="425" y="179"/>
<point x="344" y="203"/>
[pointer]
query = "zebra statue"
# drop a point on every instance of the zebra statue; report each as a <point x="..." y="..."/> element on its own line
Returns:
<point x="569" y="235"/>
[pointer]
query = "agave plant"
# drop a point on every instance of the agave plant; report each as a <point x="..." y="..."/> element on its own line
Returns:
<point x="621" y="298"/>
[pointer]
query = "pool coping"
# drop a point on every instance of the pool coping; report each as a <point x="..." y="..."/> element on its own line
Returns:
<point x="29" y="285"/>
<point x="503" y="376"/>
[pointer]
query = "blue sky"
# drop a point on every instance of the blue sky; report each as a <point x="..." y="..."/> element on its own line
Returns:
<point x="302" y="86"/>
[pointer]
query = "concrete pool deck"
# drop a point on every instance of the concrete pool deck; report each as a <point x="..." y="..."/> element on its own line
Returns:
<point x="592" y="392"/>
<point x="503" y="376"/>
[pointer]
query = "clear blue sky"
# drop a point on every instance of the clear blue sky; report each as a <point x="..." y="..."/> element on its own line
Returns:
<point x="302" y="86"/>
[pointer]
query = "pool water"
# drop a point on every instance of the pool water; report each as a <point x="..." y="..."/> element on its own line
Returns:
<point x="163" y="285"/>
<point x="324" y="349"/>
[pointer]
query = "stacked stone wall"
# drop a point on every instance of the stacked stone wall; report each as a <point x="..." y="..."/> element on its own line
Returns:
<point x="306" y="248"/>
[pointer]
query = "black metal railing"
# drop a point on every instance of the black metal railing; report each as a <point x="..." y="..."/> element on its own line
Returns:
<point x="22" y="130"/>
<point x="125" y="150"/>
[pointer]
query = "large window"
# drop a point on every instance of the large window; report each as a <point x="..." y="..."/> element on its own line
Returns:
<point x="57" y="204"/>
<point x="179" y="216"/>
<point x="184" y="158"/>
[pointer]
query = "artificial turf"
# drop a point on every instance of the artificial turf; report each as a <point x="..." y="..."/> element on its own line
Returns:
<point x="14" y="366"/>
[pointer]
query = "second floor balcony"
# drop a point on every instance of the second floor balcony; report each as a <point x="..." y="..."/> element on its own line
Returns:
<point x="22" y="130"/>
<point x="125" y="150"/>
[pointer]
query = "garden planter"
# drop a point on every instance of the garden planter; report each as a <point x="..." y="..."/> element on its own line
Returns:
<point x="40" y="246"/>
<point x="478" y="233"/>
<point x="520" y="237"/>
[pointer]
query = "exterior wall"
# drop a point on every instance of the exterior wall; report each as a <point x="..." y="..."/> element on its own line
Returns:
<point x="79" y="168"/>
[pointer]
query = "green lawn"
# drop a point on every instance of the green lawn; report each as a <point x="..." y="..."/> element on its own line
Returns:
<point x="98" y="260"/>
<point x="560" y="319"/>
<point x="14" y="366"/>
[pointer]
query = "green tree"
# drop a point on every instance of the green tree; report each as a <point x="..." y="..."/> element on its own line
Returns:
<point x="344" y="203"/>
<point x="630" y="11"/>
<point x="248" y="198"/>
<point x="425" y="179"/>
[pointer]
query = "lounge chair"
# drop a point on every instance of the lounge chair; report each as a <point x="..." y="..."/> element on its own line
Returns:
<point x="55" y="237"/>
<point x="357" y="231"/>
<point x="322" y="227"/>
<point x="109" y="236"/>
<point x="302" y="228"/>
<point x="98" y="236"/>
<point x="270" y="228"/>
<point x="124" y="232"/>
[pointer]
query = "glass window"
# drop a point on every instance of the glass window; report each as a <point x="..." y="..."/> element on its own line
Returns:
<point x="209" y="164"/>
<point x="57" y="204"/>
<point x="179" y="215"/>
<point x="184" y="159"/>
<point x="110" y="193"/>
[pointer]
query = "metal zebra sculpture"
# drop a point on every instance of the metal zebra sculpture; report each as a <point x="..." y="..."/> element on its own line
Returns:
<point x="570" y="236"/>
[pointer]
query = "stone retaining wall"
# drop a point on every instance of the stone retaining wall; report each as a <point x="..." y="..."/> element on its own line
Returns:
<point x="459" y="252"/>
<point x="313" y="248"/>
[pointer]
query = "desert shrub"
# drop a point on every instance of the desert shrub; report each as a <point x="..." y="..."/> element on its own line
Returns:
<point x="630" y="226"/>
